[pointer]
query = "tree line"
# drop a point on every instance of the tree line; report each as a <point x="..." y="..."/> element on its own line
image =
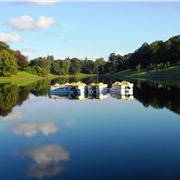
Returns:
<point x="12" y="61"/>
<point x="156" y="55"/>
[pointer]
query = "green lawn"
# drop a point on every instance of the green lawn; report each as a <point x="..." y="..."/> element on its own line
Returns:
<point x="169" y="75"/>
<point x="20" y="75"/>
<point x="23" y="78"/>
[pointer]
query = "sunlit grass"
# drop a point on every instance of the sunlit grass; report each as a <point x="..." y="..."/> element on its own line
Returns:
<point x="23" y="78"/>
<point x="169" y="75"/>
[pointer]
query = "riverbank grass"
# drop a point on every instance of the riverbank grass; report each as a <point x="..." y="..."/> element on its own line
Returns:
<point x="23" y="77"/>
<point x="168" y="75"/>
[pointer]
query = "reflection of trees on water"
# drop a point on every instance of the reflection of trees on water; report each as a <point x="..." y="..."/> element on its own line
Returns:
<point x="154" y="94"/>
<point x="23" y="95"/>
<point x="158" y="95"/>
<point x="12" y="95"/>
<point x="87" y="80"/>
<point x="9" y="97"/>
<point x="40" y="88"/>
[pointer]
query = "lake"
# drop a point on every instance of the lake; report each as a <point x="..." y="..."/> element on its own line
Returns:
<point x="112" y="138"/>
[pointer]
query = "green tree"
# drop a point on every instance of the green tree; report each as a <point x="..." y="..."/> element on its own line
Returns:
<point x="88" y="66"/>
<point x="22" y="60"/>
<point x="40" y="71"/>
<point x="42" y="62"/>
<point x="8" y="64"/>
<point x="100" y="63"/>
<point x="4" y="46"/>
<point x="138" y="68"/>
<point x="75" y="66"/>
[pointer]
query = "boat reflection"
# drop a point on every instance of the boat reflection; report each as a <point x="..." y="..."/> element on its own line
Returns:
<point x="154" y="94"/>
<point x="122" y="96"/>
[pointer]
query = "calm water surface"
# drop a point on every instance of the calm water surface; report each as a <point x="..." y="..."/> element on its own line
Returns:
<point x="44" y="138"/>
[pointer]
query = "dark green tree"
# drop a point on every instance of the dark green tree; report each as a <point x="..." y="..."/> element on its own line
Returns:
<point x="8" y="64"/>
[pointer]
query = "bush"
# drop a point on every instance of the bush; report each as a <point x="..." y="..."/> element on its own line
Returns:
<point x="41" y="71"/>
<point x="37" y="70"/>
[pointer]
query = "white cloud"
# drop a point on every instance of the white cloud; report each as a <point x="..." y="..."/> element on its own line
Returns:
<point x="8" y="37"/>
<point x="44" y="2"/>
<point x="44" y="22"/>
<point x="52" y="2"/>
<point x="24" y="22"/>
<point x="33" y="2"/>
<point x="31" y="129"/>
<point x="28" y="23"/>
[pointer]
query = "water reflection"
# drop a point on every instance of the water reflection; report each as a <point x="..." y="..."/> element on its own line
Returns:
<point x="122" y="96"/>
<point x="158" y="95"/>
<point x="148" y="93"/>
<point x="87" y="80"/>
<point x="12" y="95"/>
<point x="48" y="160"/>
<point x="13" y="116"/>
<point x="9" y="97"/>
<point x="81" y="91"/>
<point x="31" y="129"/>
<point x="82" y="96"/>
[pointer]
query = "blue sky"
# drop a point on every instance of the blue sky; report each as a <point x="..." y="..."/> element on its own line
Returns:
<point x="86" y="29"/>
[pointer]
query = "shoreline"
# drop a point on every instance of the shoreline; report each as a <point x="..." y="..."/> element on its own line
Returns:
<point x="29" y="78"/>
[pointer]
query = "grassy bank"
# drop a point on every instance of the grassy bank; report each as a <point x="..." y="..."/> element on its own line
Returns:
<point x="21" y="78"/>
<point x="169" y="75"/>
<point x="25" y="78"/>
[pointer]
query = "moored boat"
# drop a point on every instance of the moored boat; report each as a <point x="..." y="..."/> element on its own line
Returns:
<point x="123" y="87"/>
<point x="97" y="88"/>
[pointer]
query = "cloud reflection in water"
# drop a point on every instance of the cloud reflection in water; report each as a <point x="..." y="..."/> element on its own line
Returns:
<point x="31" y="129"/>
<point x="47" y="160"/>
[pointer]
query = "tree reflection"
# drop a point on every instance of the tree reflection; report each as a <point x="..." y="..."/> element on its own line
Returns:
<point x="158" y="95"/>
<point x="87" y="80"/>
<point x="40" y="88"/>
<point x="9" y="96"/>
<point x="12" y="95"/>
<point x="149" y="94"/>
